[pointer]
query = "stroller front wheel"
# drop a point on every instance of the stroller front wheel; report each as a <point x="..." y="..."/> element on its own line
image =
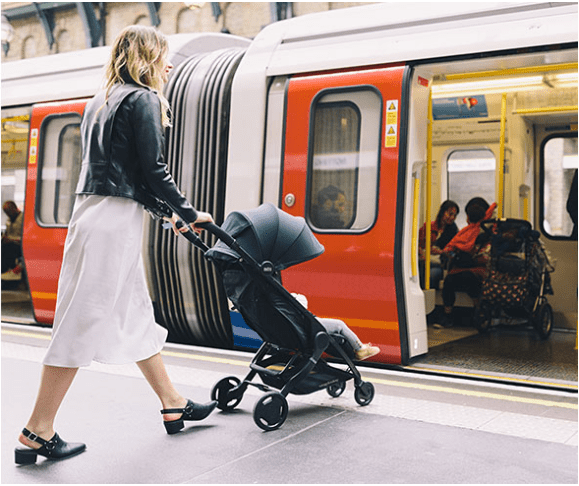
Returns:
<point x="270" y="411"/>
<point x="543" y="320"/>
<point x="364" y="393"/>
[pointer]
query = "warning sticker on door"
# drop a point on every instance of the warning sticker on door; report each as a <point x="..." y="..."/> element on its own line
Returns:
<point x="391" y="137"/>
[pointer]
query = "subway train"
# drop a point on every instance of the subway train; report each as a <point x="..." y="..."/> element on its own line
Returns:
<point x="396" y="107"/>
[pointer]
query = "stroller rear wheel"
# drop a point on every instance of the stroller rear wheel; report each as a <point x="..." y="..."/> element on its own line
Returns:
<point x="270" y="411"/>
<point x="336" y="389"/>
<point x="482" y="318"/>
<point x="222" y="393"/>
<point x="364" y="393"/>
<point x="543" y="320"/>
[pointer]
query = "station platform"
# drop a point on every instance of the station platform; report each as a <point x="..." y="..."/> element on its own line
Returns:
<point x="419" y="429"/>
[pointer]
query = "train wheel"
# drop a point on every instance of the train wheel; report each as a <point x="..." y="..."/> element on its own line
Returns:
<point x="336" y="389"/>
<point x="364" y="393"/>
<point x="270" y="411"/>
<point x="222" y="393"/>
<point x="543" y="320"/>
<point x="482" y="318"/>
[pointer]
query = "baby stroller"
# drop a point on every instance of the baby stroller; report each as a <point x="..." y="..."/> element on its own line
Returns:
<point x="253" y="247"/>
<point x="519" y="277"/>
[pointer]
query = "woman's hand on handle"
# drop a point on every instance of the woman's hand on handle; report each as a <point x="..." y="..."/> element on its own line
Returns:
<point x="201" y="218"/>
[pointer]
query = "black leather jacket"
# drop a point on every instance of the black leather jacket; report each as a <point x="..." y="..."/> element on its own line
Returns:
<point x="123" y="152"/>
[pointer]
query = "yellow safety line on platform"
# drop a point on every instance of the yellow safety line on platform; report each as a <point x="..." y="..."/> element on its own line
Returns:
<point x="26" y="334"/>
<point x="478" y="394"/>
<point x="380" y="381"/>
<point x="211" y="359"/>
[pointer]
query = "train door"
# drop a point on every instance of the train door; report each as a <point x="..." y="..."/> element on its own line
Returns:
<point x="15" y="129"/>
<point x="53" y="168"/>
<point x="340" y="172"/>
<point x="556" y="147"/>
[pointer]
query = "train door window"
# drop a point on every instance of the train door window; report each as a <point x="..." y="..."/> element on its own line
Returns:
<point x="344" y="155"/>
<point x="59" y="168"/>
<point x="15" y="129"/>
<point x="559" y="157"/>
<point x="471" y="173"/>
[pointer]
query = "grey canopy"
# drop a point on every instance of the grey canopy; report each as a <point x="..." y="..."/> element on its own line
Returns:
<point x="268" y="234"/>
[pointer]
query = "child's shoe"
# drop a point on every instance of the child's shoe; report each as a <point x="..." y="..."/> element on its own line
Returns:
<point x="367" y="351"/>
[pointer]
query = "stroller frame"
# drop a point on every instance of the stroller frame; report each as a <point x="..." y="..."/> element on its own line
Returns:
<point x="283" y="370"/>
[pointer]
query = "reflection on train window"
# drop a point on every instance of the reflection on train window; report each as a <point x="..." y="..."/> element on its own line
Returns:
<point x="559" y="167"/>
<point x="471" y="173"/>
<point x="59" y="169"/>
<point x="344" y="161"/>
<point x="15" y="128"/>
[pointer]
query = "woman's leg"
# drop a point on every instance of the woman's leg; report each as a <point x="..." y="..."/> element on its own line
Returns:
<point x="54" y="383"/>
<point x="153" y="369"/>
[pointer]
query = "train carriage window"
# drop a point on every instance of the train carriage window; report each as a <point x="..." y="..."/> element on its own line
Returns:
<point x="59" y="168"/>
<point x="471" y="173"/>
<point x="343" y="165"/>
<point x="559" y="166"/>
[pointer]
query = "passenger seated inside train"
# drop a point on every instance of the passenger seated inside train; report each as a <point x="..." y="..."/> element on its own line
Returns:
<point x="442" y="230"/>
<point x="468" y="254"/>
<point x="12" y="242"/>
<point x="336" y="326"/>
<point x="328" y="213"/>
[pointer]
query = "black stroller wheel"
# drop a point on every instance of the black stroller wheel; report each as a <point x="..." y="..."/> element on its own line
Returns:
<point x="543" y="320"/>
<point x="336" y="389"/>
<point x="270" y="411"/>
<point x="221" y="392"/>
<point x="482" y="318"/>
<point x="364" y="393"/>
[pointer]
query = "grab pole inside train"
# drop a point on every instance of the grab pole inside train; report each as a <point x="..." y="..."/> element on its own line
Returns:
<point x="428" y="193"/>
<point x="501" y="167"/>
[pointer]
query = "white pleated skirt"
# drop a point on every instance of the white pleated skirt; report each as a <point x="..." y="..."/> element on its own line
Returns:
<point x="103" y="310"/>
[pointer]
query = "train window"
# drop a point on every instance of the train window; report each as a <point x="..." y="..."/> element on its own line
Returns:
<point x="59" y="168"/>
<point x="471" y="173"/>
<point x="343" y="165"/>
<point x="15" y="129"/>
<point x="559" y="157"/>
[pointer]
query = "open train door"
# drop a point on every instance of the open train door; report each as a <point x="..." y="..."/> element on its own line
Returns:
<point x="556" y="154"/>
<point x="343" y="171"/>
<point x="53" y="168"/>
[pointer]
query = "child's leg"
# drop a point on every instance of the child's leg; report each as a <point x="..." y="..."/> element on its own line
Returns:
<point x="335" y="326"/>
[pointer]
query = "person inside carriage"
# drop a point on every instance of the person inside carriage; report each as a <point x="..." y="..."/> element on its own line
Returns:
<point x="468" y="254"/>
<point x="442" y="230"/>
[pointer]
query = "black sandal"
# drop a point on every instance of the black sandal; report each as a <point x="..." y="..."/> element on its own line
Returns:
<point x="192" y="411"/>
<point x="55" y="448"/>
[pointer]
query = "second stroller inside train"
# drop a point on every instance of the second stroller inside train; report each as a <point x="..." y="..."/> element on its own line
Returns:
<point x="519" y="277"/>
<point x="253" y="247"/>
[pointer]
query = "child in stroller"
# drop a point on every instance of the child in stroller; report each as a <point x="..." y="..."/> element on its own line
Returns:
<point x="253" y="247"/>
<point x="519" y="277"/>
<point x="340" y="329"/>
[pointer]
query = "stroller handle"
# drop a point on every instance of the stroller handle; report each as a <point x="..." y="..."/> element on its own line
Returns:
<point x="212" y="228"/>
<point x="217" y="231"/>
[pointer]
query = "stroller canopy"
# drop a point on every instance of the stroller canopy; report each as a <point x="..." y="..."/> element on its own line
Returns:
<point x="268" y="234"/>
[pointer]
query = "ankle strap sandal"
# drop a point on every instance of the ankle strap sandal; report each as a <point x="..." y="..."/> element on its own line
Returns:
<point x="55" y="448"/>
<point x="192" y="411"/>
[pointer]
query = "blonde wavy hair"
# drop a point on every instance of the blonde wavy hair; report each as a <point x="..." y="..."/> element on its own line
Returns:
<point x="136" y="56"/>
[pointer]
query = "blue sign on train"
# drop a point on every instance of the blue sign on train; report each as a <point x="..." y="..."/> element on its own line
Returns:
<point x="459" y="107"/>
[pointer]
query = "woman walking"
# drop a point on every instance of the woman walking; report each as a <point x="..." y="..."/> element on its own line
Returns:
<point x="103" y="311"/>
